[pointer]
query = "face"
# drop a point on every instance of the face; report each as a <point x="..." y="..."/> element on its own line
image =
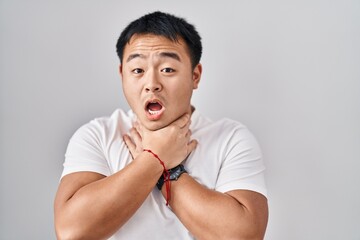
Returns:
<point x="158" y="79"/>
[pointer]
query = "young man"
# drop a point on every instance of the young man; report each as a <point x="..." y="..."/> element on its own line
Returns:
<point x="210" y="188"/>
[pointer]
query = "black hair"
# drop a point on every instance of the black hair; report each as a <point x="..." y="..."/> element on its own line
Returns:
<point x="163" y="24"/>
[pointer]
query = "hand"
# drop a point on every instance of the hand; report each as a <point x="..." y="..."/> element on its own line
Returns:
<point x="133" y="142"/>
<point x="172" y="143"/>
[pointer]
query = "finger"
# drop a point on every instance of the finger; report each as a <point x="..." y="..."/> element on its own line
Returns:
<point x="188" y="134"/>
<point x="137" y="125"/>
<point x="187" y="125"/>
<point x="182" y="121"/>
<point x="136" y="137"/>
<point x="192" y="145"/>
<point x="130" y="145"/>
<point x="185" y="129"/>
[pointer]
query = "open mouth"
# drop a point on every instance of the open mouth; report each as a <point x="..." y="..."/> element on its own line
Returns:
<point x="154" y="108"/>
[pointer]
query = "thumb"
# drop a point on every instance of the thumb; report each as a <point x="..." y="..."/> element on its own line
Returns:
<point x="192" y="145"/>
<point x="129" y="143"/>
<point x="182" y="121"/>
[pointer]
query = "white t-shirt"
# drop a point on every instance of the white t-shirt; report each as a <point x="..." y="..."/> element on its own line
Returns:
<point x="226" y="158"/>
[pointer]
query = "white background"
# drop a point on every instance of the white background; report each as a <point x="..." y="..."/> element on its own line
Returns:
<point x="289" y="70"/>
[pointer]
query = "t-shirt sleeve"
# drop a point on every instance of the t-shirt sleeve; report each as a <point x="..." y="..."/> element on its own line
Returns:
<point x="85" y="151"/>
<point x="243" y="166"/>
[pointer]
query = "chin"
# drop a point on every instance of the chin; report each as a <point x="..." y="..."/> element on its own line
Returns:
<point x="154" y="125"/>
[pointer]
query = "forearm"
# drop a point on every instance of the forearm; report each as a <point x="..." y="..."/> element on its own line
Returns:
<point x="209" y="214"/>
<point x="98" y="209"/>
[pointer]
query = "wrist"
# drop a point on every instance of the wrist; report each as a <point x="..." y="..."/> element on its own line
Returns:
<point x="165" y="175"/>
<point x="174" y="175"/>
<point x="149" y="159"/>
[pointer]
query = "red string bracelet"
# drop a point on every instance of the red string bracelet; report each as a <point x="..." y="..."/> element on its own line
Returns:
<point x="166" y="175"/>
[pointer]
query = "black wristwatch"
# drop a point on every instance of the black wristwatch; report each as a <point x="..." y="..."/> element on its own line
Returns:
<point x="174" y="175"/>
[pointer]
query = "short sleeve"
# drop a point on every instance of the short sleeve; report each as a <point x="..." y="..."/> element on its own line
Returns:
<point x="85" y="151"/>
<point x="243" y="166"/>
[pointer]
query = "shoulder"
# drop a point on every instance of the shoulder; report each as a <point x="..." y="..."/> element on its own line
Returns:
<point x="222" y="127"/>
<point x="89" y="147"/>
<point x="101" y="128"/>
<point x="227" y="135"/>
<point x="230" y="125"/>
<point x="236" y="129"/>
<point x="238" y="134"/>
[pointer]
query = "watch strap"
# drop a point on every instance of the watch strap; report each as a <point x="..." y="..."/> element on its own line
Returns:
<point x="174" y="174"/>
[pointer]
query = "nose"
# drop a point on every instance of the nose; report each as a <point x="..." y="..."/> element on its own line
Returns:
<point x="152" y="83"/>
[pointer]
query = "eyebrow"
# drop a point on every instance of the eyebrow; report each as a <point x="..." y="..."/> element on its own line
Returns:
<point x="170" y="55"/>
<point x="162" y="54"/>
<point x="135" y="55"/>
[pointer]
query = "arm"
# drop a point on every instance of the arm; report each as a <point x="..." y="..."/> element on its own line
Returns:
<point x="91" y="206"/>
<point x="87" y="200"/>
<point x="208" y="214"/>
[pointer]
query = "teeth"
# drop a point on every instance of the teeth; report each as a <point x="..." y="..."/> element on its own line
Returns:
<point x="153" y="112"/>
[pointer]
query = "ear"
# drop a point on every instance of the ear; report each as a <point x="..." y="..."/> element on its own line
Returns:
<point x="197" y="75"/>
<point x="120" y="70"/>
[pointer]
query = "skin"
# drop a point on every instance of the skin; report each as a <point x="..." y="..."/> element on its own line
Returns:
<point x="208" y="214"/>
<point x="155" y="68"/>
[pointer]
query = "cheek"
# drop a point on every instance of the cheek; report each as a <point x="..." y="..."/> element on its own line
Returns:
<point x="130" y="93"/>
<point x="183" y="97"/>
<point x="186" y="90"/>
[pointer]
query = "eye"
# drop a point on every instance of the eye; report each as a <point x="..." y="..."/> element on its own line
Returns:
<point x="137" y="71"/>
<point x="167" y="70"/>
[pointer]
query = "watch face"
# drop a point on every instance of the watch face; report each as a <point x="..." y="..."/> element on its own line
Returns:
<point x="176" y="172"/>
